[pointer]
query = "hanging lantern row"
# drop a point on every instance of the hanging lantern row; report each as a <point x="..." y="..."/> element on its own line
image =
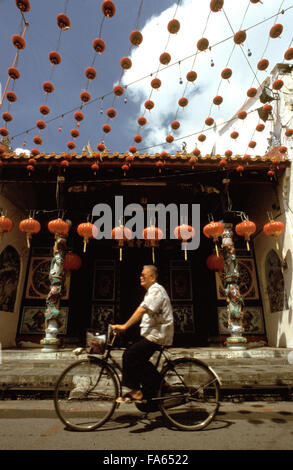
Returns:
<point x="246" y="229"/>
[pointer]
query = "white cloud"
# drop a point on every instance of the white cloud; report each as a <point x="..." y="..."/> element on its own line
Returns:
<point x="145" y="60"/>
<point x="19" y="150"/>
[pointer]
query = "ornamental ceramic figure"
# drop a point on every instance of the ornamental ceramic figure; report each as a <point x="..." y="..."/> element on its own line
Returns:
<point x="56" y="277"/>
<point x="234" y="299"/>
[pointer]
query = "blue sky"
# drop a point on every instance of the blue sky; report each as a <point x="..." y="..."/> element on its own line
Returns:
<point x="77" y="53"/>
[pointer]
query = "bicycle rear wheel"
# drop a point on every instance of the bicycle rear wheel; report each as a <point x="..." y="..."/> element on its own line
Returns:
<point x="85" y="394"/>
<point x="190" y="400"/>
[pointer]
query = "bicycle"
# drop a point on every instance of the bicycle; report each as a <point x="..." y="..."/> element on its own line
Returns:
<point x="86" y="391"/>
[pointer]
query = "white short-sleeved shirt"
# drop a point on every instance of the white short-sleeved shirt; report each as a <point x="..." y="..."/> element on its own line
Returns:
<point x="157" y="324"/>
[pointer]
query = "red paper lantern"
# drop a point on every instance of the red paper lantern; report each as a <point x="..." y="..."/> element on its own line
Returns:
<point x="108" y="8"/>
<point x="121" y="234"/>
<point x="175" y="125"/>
<point x="11" y="96"/>
<point x="234" y="135"/>
<point x="239" y="37"/>
<point x="252" y="144"/>
<point x="216" y="5"/>
<point x="4" y="132"/>
<point x="41" y="124"/>
<point x="277" y="85"/>
<point x="251" y="92"/>
<point x="283" y="149"/>
<point x="54" y="57"/>
<point x="48" y="87"/>
<point x="78" y="116"/>
<point x="242" y="115"/>
<point x="218" y="100"/>
<point x="184" y="233"/>
<point x="101" y="147"/>
<point x="126" y="63"/>
<point x="226" y="73"/>
<point x="183" y="102"/>
<point x="63" y="21"/>
<point x="38" y="140"/>
<point x="149" y="104"/>
<point x="165" y="58"/>
<point x="245" y="229"/>
<point x="137" y="138"/>
<point x="136" y="37"/>
<point x="192" y="161"/>
<point x="23" y="5"/>
<point x="125" y="168"/>
<point x="289" y="54"/>
<point x="228" y="153"/>
<point x="44" y="109"/>
<point x="29" y="226"/>
<point x="263" y="64"/>
<point x="260" y="127"/>
<point x="71" y="145"/>
<point x="6" y="225"/>
<point x="87" y="231"/>
<point x="271" y="173"/>
<point x="156" y="83"/>
<point x="95" y="167"/>
<point x="58" y="227"/>
<point x="191" y="76"/>
<point x="215" y="263"/>
<point x="152" y="235"/>
<point x="214" y="230"/>
<point x="132" y="149"/>
<point x="99" y="45"/>
<point x="209" y="121"/>
<point x="90" y="73"/>
<point x="72" y="262"/>
<point x="289" y="132"/>
<point x="85" y="96"/>
<point x="7" y="117"/>
<point x="274" y="229"/>
<point x="202" y="44"/>
<point x="169" y="139"/>
<point x="276" y="30"/>
<point x="142" y="121"/>
<point x="18" y="41"/>
<point x="240" y="169"/>
<point x="118" y="90"/>
<point x="201" y="138"/>
<point x="111" y="113"/>
<point x="106" y="128"/>
<point x="74" y="133"/>
<point x="173" y="26"/>
<point x="13" y="73"/>
<point x="267" y="108"/>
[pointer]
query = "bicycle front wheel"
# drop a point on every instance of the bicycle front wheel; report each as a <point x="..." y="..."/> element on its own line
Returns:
<point x="189" y="395"/>
<point x="85" y="394"/>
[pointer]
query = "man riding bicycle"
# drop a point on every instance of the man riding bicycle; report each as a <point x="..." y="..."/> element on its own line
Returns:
<point x="155" y="315"/>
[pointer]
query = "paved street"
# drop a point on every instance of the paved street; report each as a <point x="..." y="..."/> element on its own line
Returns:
<point x="33" y="425"/>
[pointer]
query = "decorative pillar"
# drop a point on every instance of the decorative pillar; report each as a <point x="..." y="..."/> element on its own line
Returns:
<point x="56" y="276"/>
<point x="234" y="300"/>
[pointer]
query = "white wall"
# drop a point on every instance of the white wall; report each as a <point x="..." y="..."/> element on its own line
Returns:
<point x="16" y="239"/>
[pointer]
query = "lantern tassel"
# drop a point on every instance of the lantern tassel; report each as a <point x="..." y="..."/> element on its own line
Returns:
<point x="153" y="254"/>
<point x="217" y="251"/>
<point x="28" y="240"/>
<point x="84" y="245"/>
<point x="247" y="245"/>
<point x="120" y="255"/>
<point x="277" y="244"/>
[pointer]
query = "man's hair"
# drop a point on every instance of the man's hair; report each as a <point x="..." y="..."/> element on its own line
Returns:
<point x="153" y="269"/>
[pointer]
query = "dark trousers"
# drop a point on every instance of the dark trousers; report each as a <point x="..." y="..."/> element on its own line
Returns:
<point x="138" y="371"/>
